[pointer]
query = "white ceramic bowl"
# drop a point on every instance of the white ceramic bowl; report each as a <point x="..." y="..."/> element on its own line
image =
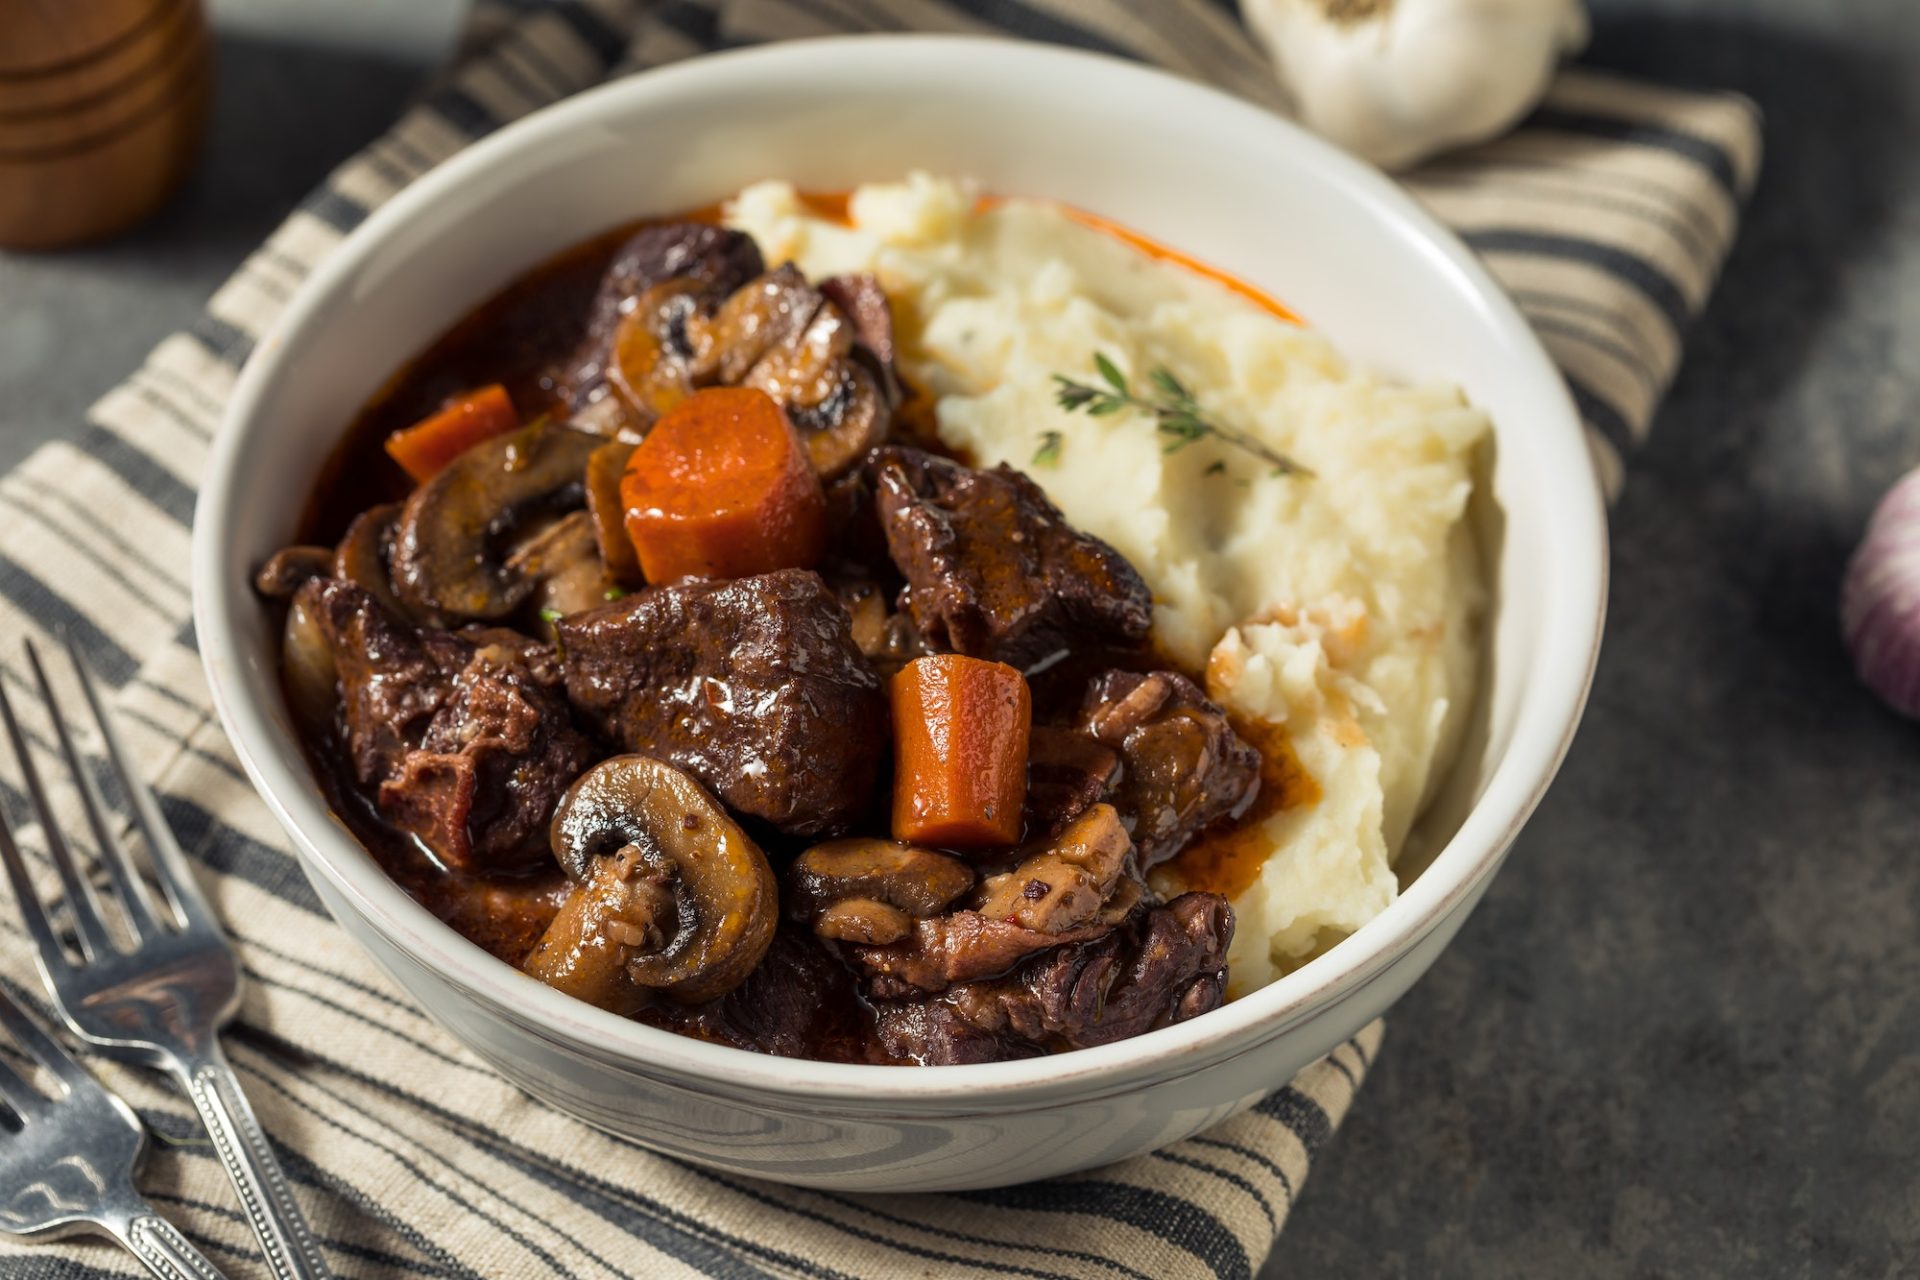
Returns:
<point x="1178" y="161"/>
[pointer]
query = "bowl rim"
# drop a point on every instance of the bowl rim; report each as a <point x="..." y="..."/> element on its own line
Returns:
<point x="1544" y="726"/>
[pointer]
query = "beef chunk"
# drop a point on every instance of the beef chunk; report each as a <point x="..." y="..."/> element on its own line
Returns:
<point x="712" y="262"/>
<point x="958" y="947"/>
<point x="466" y="741"/>
<point x="798" y="1002"/>
<point x="1069" y="889"/>
<point x="1184" y="766"/>
<point x="753" y="685"/>
<point x="1164" y="965"/>
<point x="993" y="570"/>
<point x="865" y="304"/>
<point x="1068" y="772"/>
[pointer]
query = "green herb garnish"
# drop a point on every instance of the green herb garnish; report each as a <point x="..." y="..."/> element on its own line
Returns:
<point x="551" y="615"/>
<point x="615" y="593"/>
<point x="1177" y="414"/>
<point x="1048" y="454"/>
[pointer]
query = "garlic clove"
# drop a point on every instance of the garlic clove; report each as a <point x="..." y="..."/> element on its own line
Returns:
<point x="1880" y="599"/>
<point x="1395" y="81"/>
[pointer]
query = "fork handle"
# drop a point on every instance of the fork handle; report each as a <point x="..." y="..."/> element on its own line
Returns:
<point x="166" y="1253"/>
<point x="291" y="1251"/>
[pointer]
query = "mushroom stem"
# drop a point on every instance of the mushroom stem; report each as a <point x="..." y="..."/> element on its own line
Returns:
<point x="671" y="891"/>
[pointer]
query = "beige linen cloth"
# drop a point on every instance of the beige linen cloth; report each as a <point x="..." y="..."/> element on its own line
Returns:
<point x="1607" y="215"/>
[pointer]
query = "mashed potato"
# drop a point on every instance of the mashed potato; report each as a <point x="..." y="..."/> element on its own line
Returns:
<point x="1339" y="608"/>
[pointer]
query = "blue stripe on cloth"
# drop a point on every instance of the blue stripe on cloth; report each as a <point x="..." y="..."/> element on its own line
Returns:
<point x="336" y="209"/>
<point x="1179" y="1222"/>
<point x="226" y="850"/>
<point x="1247" y="1153"/>
<point x="870" y="1207"/>
<point x="741" y="1186"/>
<point x="1601" y="416"/>
<point x="421" y="1176"/>
<point x="1708" y="154"/>
<point x="40" y="602"/>
<point x="606" y="43"/>
<point x="461" y="110"/>
<point x="141" y="471"/>
<point x="1227" y="1176"/>
<point x="1035" y="24"/>
<point x="1298" y="1112"/>
<point x="684" y="1237"/>
<point x="1658" y="287"/>
<point x="184" y="1135"/>
<point x="224" y="340"/>
<point x="697" y="22"/>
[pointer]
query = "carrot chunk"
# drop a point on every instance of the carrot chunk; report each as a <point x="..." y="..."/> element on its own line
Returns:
<point x="960" y="728"/>
<point x="430" y="444"/>
<point x="721" y="488"/>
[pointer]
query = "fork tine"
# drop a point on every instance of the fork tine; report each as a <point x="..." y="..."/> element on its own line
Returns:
<point x="94" y="940"/>
<point x="113" y="854"/>
<point x="32" y="1040"/>
<point x="19" y="1094"/>
<point x="169" y="863"/>
<point x="31" y="910"/>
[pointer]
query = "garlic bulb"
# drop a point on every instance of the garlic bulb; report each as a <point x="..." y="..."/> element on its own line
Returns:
<point x="1880" y="599"/>
<point x="1395" y="81"/>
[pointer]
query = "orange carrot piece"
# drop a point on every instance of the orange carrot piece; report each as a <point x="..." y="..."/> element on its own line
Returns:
<point x="960" y="729"/>
<point x="430" y="444"/>
<point x="721" y="488"/>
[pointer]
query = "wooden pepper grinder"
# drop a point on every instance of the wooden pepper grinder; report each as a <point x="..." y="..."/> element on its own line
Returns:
<point x="102" y="106"/>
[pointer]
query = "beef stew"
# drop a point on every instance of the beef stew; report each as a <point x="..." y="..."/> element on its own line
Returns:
<point x="687" y="796"/>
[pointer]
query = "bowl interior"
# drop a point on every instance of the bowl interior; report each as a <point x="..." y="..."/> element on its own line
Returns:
<point x="1203" y="172"/>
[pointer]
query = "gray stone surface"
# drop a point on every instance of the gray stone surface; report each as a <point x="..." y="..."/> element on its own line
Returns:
<point x="1682" y="1036"/>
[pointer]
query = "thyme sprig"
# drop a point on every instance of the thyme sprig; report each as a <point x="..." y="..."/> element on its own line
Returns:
<point x="1177" y="414"/>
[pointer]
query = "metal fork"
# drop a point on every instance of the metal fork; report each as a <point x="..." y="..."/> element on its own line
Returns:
<point x="160" y="1003"/>
<point x="70" y="1164"/>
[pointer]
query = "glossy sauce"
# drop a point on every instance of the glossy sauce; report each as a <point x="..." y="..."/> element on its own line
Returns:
<point x="1226" y="858"/>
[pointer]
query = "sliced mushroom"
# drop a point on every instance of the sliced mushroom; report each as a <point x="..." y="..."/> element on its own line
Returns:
<point x="651" y="364"/>
<point x="689" y="904"/>
<point x="777" y="333"/>
<point x="307" y="667"/>
<point x="863" y="920"/>
<point x="870" y="891"/>
<point x="616" y="910"/>
<point x="885" y="638"/>
<point x="772" y="311"/>
<point x="839" y="429"/>
<point x="448" y="540"/>
<point x="288" y="567"/>
<point x="713" y="260"/>
<point x="604" y="469"/>
<point x="365" y="556"/>
<point x="563" y="562"/>
<point x="1067" y="883"/>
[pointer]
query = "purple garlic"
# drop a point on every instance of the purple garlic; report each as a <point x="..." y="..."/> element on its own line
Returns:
<point x="1880" y="599"/>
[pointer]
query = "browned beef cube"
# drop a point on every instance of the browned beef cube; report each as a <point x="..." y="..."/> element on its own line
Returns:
<point x="1068" y="772"/>
<point x="753" y="685"/>
<point x="467" y="742"/>
<point x="1164" y="965"/>
<point x="993" y="570"/>
<point x="1183" y="765"/>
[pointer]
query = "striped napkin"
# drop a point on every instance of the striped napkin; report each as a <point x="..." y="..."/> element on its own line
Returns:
<point x="1607" y="215"/>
